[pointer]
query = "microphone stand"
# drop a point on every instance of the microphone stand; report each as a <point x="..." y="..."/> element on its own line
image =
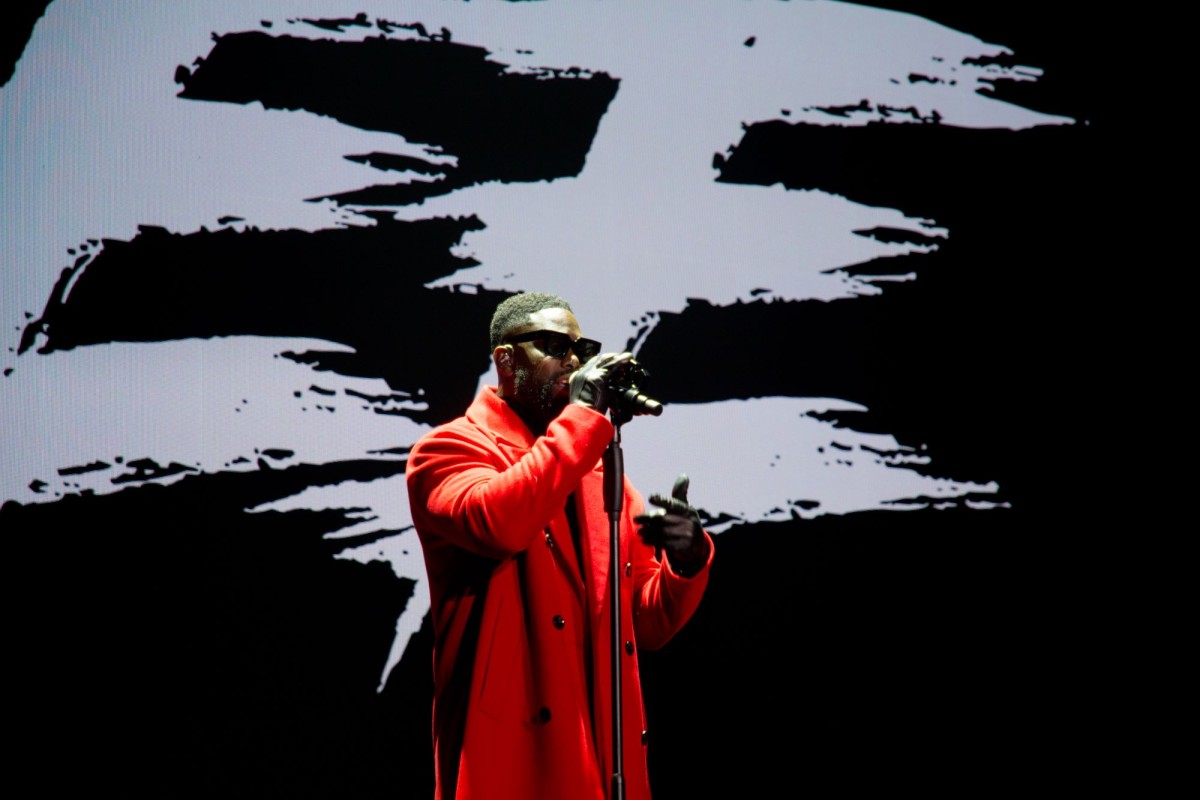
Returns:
<point x="614" y="500"/>
<point x="629" y="402"/>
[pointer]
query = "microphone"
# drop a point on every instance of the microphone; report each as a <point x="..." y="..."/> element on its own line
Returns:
<point x="639" y="404"/>
<point x="623" y="382"/>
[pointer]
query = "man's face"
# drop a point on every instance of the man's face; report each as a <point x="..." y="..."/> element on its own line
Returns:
<point x="540" y="382"/>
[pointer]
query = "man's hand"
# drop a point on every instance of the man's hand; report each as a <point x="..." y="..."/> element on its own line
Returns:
<point x="675" y="527"/>
<point x="589" y="383"/>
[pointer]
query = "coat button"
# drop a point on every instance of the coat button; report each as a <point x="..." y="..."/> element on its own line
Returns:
<point x="645" y="736"/>
<point x="549" y="541"/>
<point x="628" y="568"/>
<point x="629" y="647"/>
<point x="543" y="715"/>
<point x="559" y="622"/>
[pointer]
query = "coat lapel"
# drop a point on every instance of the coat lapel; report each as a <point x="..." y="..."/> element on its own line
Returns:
<point x="514" y="439"/>
<point x="596" y="537"/>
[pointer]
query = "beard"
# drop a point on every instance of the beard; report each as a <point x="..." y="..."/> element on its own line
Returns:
<point x="538" y="397"/>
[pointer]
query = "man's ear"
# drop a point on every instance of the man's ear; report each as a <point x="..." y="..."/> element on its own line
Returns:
<point x="502" y="356"/>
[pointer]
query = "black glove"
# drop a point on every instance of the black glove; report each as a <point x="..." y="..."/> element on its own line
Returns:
<point x="675" y="527"/>
<point x="589" y="383"/>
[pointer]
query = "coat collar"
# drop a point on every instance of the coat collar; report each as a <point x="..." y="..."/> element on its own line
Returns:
<point x="506" y="428"/>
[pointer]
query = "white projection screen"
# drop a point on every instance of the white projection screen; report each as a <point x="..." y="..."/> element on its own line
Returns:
<point x="250" y="251"/>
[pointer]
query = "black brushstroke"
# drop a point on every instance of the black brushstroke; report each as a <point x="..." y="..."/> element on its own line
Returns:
<point x="16" y="26"/>
<point x="953" y="175"/>
<point x="971" y="357"/>
<point x="898" y="236"/>
<point x="360" y="286"/>
<point x="450" y="97"/>
<point x="95" y="466"/>
<point x="147" y="469"/>
<point x="395" y="163"/>
<point x="343" y="23"/>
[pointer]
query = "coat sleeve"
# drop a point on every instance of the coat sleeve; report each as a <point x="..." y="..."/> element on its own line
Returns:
<point x="663" y="601"/>
<point x="463" y="489"/>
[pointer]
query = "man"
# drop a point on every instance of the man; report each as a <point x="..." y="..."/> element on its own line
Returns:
<point x="508" y="501"/>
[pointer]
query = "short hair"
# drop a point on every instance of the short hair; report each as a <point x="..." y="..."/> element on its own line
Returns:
<point x="517" y="309"/>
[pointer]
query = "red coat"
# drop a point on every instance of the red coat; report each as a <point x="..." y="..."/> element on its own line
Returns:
<point x="520" y="632"/>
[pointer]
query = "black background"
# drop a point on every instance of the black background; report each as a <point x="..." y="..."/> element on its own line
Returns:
<point x="947" y="652"/>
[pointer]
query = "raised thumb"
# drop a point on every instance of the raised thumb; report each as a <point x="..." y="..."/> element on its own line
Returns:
<point x="680" y="490"/>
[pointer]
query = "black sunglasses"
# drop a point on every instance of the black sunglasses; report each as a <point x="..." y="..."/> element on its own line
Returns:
<point x="556" y="345"/>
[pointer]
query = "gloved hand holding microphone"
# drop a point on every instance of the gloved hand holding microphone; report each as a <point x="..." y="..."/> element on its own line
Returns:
<point x="590" y="384"/>
<point x="610" y="382"/>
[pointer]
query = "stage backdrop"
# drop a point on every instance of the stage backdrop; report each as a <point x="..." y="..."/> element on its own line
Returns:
<point x="250" y="251"/>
